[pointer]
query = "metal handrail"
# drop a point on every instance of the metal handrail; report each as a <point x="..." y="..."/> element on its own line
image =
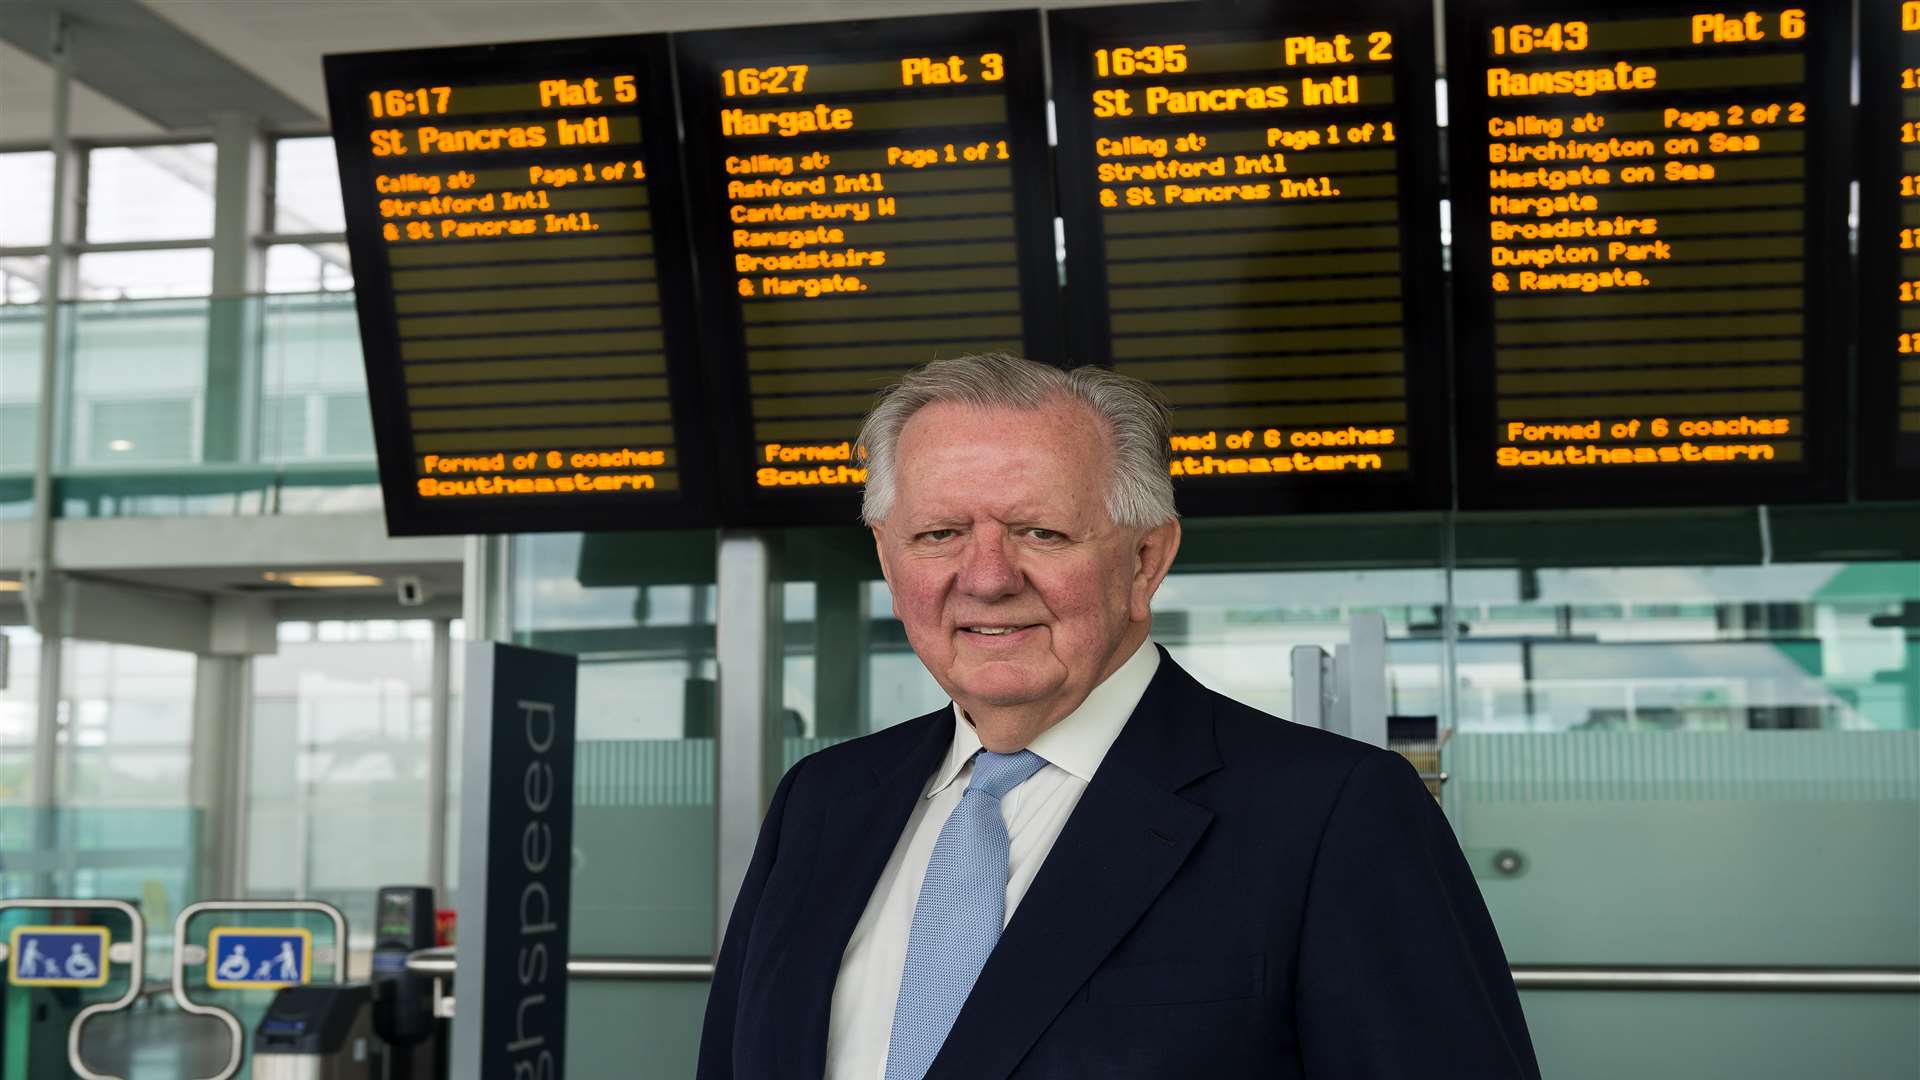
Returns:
<point x="136" y="969"/>
<point x="1838" y="980"/>
<point x="440" y="962"/>
<point x="1798" y="979"/>
<point x="236" y="1034"/>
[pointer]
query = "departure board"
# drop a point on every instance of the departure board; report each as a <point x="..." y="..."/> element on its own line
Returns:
<point x="1252" y="224"/>
<point x="1649" y="232"/>
<point x="515" y="218"/>
<point x="1888" y="462"/>
<point x="867" y="196"/>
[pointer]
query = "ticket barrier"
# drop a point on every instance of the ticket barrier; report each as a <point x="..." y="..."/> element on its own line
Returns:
<point x="277" y="959"/>
<point x="75" y="958"/>
<point x="413" y="1041"/>
<point x="317" y="1033"/>
<point x="380" y="1030"/>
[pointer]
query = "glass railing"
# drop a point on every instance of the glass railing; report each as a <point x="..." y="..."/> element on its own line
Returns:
<point x="211" y="406"/>
<point x="146" y="856"/>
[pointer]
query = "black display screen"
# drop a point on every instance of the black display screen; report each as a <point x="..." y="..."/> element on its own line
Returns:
<point x="1648" y="212"/>
<point x="867" y="197"/>
<point x="514" y="214"/>
<point x="1252" y="225"/>
<point x="1888" y="464"/>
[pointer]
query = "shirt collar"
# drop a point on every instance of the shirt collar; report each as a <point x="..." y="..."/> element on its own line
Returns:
<point x="1080" y="741"/>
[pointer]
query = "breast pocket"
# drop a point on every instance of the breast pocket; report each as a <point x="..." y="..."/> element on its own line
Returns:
<point x="1179" y="982"/>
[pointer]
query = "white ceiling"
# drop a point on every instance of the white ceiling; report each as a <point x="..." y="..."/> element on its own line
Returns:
<point x="26" y="104"/>
<point x="281" y="41"/>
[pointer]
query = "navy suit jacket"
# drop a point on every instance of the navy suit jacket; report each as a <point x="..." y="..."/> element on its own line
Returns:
<point x="1234" y="896"/>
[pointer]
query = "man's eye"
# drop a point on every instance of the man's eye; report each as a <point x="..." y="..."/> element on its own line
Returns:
<point x="937" y="535"/>
<point x="1046" y="535"/>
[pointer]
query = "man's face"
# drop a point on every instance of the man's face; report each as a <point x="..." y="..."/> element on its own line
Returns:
<point x="1017" y="591"/>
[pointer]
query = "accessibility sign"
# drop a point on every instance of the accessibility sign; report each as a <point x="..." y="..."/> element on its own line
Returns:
<point x="258" y="958"/>
<point x="58" y="956"/>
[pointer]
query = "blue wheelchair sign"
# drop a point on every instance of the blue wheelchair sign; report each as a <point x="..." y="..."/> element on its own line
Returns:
<point x="258" y="958"/>
<point x="58" y="956"/>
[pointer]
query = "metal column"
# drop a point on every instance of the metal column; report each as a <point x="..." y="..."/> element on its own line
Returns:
<point x="840" y="655"/>
<point x="219" y="762"/>
<point x="41" y="597"/>
<point x="748" y="651"/>
<point x="1313" y="687"/>
<point x="1366" y="678"/>
<point x="483" y="589"/>
<point x="440" y="715"/>
<point x="41" y="579"/>
<point x="228" y="426"/>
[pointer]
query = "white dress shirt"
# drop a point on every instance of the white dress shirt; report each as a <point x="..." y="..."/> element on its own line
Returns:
<point x="860" y="1023"/>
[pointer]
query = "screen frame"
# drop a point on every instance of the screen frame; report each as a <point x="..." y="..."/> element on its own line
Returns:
<point x="1821" y="475"/>
<point x="1074" y="33"/>
<point x="1877" y="471"/>
<point x="699" y="56"/>
<point x="349" y="78"/>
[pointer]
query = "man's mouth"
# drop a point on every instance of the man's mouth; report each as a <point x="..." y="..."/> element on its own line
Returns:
<point x="993" y="631"/>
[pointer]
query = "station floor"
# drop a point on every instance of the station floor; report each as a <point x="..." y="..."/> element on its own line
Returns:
<point x="155" y="1041"/>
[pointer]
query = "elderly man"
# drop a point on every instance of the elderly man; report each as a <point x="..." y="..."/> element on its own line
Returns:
<point x="1090" y="865"/>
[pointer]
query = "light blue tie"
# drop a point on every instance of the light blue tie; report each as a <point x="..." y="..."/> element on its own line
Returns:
<point x="958" y="918"/>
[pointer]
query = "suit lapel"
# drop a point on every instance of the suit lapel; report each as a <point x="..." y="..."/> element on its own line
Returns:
<point x="1123" y="843"/>
<point x="857" y="838"/>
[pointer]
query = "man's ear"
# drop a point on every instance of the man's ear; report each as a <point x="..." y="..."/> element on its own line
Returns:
<point x="1153" y="557"/>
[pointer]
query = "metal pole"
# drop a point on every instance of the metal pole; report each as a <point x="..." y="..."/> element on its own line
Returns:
<point x="748" y="652"/>
<point x="440" y="715"/>
<point x="44" y="790"/>
<point x="40" y="567"/>
<point x="220" y="709"/>
<point x="1366" y="679"/>
<point x="42" y="599"/>
<point x="483" y="591"/>
<point x="229" y="421"/>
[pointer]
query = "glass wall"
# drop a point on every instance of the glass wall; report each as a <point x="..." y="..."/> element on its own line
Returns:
<point x="126" y="728"/>
<point x="313" y="405"/>
<point x="121" y="824"/>
<point x="141" y="193"/>
<point x="139" y="383"/>
<point x="306" y="202"/>
<point x="1673" y="739"/>
<point x="21" y="327"/>
<point x="27" y="178"/>
<point x="638" y="612"/>
<point x="19" y="710"/>
<point x="339" y="738"/>
<point x="178" y="402"/>
<point x="148" y="194"/>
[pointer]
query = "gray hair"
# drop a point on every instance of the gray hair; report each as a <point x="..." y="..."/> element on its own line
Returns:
<point x="1140" y="492"/>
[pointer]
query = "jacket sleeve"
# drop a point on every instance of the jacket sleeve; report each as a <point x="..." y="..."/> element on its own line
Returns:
<point x="716" y="1034"/>
<point x="1401" y="973"/>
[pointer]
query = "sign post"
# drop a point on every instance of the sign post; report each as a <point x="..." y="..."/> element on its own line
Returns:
<point x="516" y="843"/>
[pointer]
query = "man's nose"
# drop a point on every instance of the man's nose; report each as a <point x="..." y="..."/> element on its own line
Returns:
<point x="989" y="571"/>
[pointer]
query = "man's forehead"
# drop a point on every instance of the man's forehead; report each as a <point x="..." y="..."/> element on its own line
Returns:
<point x="1052" y="427"/>
<point x="959" y="462"/>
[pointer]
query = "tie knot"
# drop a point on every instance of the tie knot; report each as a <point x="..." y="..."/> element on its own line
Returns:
<point x="996" y="774"/>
